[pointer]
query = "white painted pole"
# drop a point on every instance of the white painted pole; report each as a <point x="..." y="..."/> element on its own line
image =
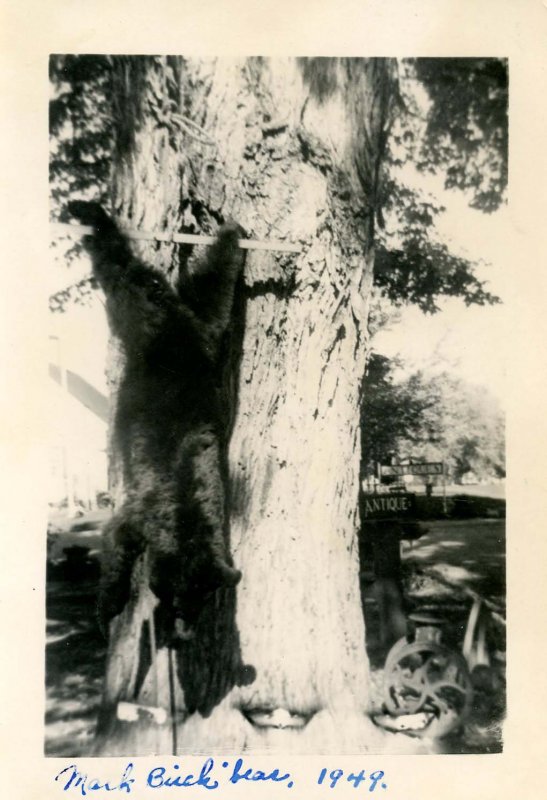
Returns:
<point x="278" y="245"/>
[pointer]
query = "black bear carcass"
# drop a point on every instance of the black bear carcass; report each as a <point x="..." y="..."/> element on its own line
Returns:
<point x="170" y="424"/>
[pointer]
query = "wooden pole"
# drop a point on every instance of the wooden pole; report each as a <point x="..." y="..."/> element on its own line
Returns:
<point x="184" y="238"/>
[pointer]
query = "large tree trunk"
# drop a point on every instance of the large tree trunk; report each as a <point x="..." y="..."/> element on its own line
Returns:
<point x="289" y="149"/>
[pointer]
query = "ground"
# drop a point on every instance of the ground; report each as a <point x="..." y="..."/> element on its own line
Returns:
<point x="75" y="663"/>
<point x="453" y="558"/>
<point x="466" y="553"/>
<point x="443" y="571"/>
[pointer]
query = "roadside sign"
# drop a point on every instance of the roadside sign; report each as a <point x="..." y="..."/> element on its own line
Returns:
<point x="433" y="468"/>
<point x="393" y="506"/>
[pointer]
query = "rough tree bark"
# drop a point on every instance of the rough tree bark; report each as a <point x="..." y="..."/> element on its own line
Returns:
<point x="291" y="149"/>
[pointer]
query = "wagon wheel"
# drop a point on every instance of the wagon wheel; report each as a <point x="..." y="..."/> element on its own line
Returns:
<point x="397" y="648"/>
<point x="405" y="676"/>
<point x="450" y="705"/>
<point x="426" y="676"/>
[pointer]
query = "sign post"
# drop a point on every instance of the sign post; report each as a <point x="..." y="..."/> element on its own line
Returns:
<point x="390" y="506"/>
<point x="432" y="468"/>
<point x="428" y="468"/>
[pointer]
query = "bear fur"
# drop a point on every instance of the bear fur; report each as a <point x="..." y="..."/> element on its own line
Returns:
<point x="170" y="425"/>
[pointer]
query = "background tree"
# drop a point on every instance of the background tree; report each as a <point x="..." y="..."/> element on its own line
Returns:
<point x="81" y="140"/>
<point x="469" y="434"/>
<point x="295" y="149"/>
<point x="394" y="414"/>
<point x="430" y="417"/>
<point x="450" y="120"/>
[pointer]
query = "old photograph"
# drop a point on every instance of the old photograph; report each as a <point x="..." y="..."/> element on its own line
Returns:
<point x="277" y="396"/>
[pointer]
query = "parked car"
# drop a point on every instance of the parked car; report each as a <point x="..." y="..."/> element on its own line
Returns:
<point x="81" y="531"/>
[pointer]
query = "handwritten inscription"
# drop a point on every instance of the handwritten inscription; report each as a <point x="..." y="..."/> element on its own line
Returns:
<point x="74" y="779"/>
<point x="241" y="774"/>
<point x="159" y="776"/>
<point x="173" y="777"/>
<point x="210" y="776"/>
<point x="373" y="779"/>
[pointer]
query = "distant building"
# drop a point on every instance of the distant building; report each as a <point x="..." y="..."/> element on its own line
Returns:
<point x="78" y="464"/>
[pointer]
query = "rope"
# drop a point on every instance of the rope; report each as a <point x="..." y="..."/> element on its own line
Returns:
<point x="192" y="129"/>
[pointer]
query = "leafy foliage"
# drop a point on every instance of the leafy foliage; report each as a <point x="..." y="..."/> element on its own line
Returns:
<point x="393" y="412"/>
<point x="421" y="273"/>
<point x="466" y="132"/>
<point x="453" y="122"/>
<point x="80" y="128"/>
<point x="430" y="418"/>
<point x="412" y="266"/>
<point x="448" y="116"/>
<point x="81" y="141"/>
<point x="472" y="429"/>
